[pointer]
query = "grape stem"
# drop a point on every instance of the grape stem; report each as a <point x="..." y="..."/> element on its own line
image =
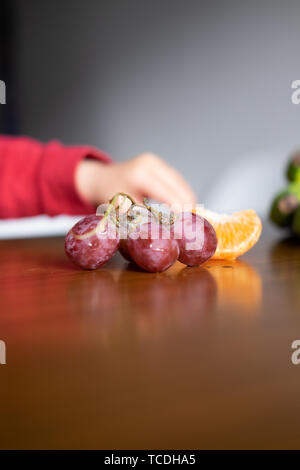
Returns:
<point x="158" y="214"/>
<point x="112" y="205"/>
<point x="115" y="197"/>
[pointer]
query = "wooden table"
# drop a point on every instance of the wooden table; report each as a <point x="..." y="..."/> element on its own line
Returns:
<point x="118" y="358"/>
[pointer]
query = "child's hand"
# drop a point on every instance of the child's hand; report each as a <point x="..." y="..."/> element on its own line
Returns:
<point x="143" y="176"/>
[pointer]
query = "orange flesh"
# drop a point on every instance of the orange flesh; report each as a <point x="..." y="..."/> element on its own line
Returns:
<point x="237" y="232"/>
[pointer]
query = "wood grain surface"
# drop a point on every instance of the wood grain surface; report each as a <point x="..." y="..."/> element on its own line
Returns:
<point x="122" y="359"/>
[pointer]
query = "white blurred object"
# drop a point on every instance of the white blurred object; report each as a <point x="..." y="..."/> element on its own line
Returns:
<point x="39" y="226"/>
<point x="249" y="183"/>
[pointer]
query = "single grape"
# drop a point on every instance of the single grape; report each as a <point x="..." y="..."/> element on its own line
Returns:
<point x="196" y="237"/>
<point x="128" y="223"/>
<point x="90" y="244"/>
<point x="123" y="249"/>
<point x="152" y="248"/>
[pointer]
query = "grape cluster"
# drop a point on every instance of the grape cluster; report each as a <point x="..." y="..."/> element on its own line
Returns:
<point x="143" y="236"/>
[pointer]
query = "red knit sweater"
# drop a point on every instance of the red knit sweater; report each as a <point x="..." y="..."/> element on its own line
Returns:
<point x="38" y="178"/>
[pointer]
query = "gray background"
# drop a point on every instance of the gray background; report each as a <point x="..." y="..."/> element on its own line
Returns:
<point x="206" y="85"/>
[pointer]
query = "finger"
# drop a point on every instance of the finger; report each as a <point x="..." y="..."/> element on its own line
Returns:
<point x="169" y="176"/>
<point x="167" y="189"/>
<point x="176" y="183"/>
<point x="154" y="188"/>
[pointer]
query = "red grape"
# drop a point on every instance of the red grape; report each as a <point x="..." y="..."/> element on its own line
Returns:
<point x="196" y="237"/>
<point x="123" y="249"/>
<point x="128" y="223"/>
<point x="152" y="248"/>
<point x="87" y="246"/>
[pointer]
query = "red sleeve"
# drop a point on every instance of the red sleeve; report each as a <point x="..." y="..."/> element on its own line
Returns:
<point x="39" y="179"/>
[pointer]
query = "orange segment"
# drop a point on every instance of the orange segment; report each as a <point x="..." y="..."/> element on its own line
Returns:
<point x="237" y="232"/>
